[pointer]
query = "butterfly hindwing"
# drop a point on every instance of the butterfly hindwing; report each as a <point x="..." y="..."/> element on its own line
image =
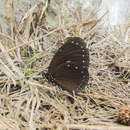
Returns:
<point x="66" y="72"/>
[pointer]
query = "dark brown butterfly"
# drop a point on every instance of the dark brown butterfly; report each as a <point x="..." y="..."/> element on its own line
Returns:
<point x="69" y="66"/>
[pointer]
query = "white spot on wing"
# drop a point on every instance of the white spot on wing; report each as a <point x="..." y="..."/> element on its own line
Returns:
<point x="77" y="43"/>
<point x="84" y="67"/>
<point x="84" y="76"/>
<point x="68" y="65"/>
<point x="68" y="61"/>
<point x="82" y="72"/>
<point x="72" y="41"/>
<point x="81" y="47"/>
<point x="76" y="67"/>
<point x="83" y="61"/>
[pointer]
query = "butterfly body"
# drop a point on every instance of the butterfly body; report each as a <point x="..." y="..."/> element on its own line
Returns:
<point x="69" y="66"/>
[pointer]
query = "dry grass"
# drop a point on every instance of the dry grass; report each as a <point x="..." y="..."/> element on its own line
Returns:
<point x="27" y="45"/>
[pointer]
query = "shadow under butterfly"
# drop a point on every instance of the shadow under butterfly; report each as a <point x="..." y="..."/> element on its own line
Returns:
<point x="69" y="66"/>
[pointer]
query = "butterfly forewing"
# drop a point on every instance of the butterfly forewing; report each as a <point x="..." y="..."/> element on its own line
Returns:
<point x="74" y="50"/>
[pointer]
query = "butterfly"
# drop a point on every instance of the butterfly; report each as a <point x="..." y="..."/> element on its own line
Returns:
<point x="69" y="66"/>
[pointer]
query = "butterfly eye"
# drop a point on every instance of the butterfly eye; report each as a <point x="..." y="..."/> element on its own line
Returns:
<point x="69" y="66"/>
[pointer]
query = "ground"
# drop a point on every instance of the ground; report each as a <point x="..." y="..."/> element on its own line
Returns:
<point x="30" y="34"/>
